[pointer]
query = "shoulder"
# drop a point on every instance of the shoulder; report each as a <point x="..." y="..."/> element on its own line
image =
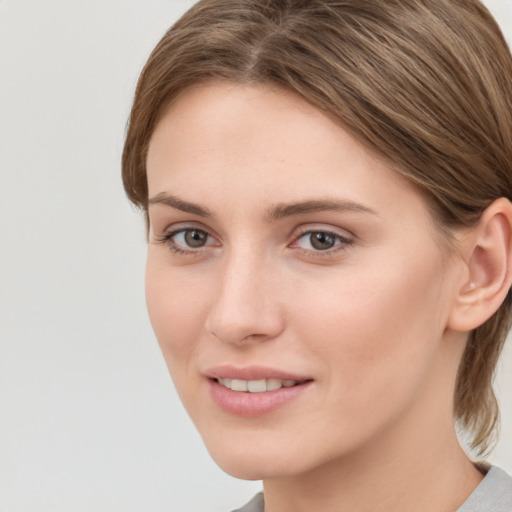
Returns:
<point x="494" y="494"/>
<point x="255" y="505"/>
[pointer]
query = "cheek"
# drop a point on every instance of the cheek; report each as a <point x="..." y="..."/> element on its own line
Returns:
<point x="372" y="330"/>
<point x="177" y="309"/>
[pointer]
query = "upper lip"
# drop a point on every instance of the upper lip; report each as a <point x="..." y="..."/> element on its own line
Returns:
<point x="252" y="373"/>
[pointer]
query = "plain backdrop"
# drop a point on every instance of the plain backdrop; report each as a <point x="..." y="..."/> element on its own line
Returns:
<point x="89" y="420"/>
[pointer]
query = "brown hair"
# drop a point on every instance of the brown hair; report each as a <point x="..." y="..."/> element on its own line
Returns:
<point x="426" y="84"/>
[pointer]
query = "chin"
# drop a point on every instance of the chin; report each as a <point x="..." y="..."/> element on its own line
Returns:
<point x="256" y="458"/>
<point x="242" y="469"/>
<point x="248" y="467"/>
<point x="249" y="456"/>
<point x="246" y="461"/>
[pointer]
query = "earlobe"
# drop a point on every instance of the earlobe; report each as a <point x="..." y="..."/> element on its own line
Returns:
<point x="489" y="264"/>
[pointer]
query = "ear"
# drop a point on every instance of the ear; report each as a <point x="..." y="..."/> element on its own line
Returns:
<point x="488" y="256"/>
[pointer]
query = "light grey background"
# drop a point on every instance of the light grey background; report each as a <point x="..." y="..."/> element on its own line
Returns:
<point x="89" y="420"/>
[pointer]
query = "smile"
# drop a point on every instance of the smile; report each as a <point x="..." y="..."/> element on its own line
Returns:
<point x="255" y="397"/>
<point x="256" y="386"/>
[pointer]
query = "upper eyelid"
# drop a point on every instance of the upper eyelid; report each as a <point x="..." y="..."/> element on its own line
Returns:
<point x="176" y="227"/>
<point x="322" y="228"/>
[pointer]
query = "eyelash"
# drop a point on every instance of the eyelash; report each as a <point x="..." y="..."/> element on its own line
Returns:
<point x="342" y="244"/>
<point x="167" y="239"/>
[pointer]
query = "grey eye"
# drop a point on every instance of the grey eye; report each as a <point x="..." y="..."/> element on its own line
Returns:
<point x="322" y="241"/>
<point x="190" y="238"/>
<point x="318" y="240"/>
<point x="195" y="238"/>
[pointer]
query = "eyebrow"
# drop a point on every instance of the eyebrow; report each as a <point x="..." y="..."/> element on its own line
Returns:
<point x="282" y="210"/>
<point x="276" y="212"/>
<point x="179" y="204"/>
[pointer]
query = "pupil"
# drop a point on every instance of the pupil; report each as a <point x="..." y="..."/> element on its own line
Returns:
<point x="322" y="241"/>
<point x="195" y="238"/>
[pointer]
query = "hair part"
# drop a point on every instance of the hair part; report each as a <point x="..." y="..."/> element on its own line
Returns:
<point x="424" y="84"/>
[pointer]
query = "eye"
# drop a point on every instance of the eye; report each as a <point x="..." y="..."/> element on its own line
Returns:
<point x="187" y="240"/>
<point x="320" y="241"/>
<point x="193" y="238"/>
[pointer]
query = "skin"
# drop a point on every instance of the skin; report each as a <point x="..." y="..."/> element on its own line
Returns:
<point x="367" y="320"/>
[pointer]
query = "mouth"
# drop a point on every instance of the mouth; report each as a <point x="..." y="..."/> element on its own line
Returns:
<point x="255" y="391"/>
<point x="259" y="385"/>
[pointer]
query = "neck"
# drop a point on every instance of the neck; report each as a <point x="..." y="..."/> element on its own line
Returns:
<point x="424" y="480"/>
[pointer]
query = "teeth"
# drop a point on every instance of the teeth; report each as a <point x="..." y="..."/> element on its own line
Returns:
<point x="273" y="384"/>
<point x="256" y="386"/>
<point x="239" y="385"/>
<point x="226" y="382"/>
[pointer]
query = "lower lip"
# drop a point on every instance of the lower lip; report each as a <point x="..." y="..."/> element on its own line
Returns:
<point x="247" y="404"/>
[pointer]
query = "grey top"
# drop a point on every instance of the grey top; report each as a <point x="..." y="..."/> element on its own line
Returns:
<point x="494" y="494"/>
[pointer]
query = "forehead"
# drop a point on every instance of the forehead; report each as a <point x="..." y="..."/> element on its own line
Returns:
<point x="246" y="147"/>
<point x="252" y="126"/>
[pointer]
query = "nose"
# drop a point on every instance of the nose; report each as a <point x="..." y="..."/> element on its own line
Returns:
<point x="246" y="307"/>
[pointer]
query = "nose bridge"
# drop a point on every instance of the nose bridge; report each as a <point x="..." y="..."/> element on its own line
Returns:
<point x="246" y="305"/>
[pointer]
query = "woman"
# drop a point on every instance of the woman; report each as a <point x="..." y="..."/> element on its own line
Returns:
<point x="326" y="186"/>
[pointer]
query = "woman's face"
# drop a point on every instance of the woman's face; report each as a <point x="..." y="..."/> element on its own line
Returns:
<point x="288" y="263"/>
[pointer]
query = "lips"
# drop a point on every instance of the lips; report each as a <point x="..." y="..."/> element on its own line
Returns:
<point x="254" y="391"/>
